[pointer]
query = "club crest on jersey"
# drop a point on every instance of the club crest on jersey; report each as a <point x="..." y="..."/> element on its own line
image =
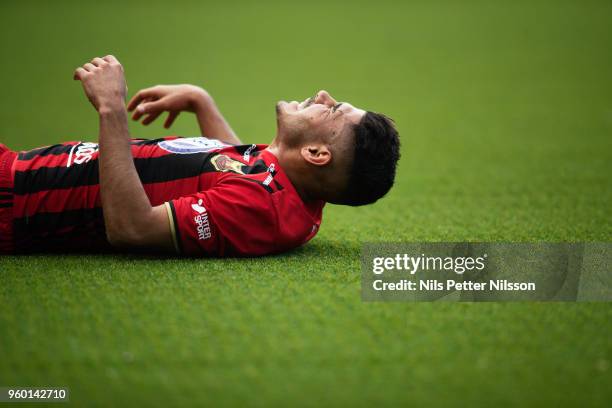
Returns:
<point x="225" y="163"/>
<point x="191" y="145"/>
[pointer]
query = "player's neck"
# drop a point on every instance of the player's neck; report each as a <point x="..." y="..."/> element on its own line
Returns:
<point x="295" y="176"/>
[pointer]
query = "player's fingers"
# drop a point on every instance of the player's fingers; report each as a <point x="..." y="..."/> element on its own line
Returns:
<point x="150" y="118"/>
<point x="137" y="114"/>
<point x="135" y="101"/>
<point x="170" y="119"/>
<point x="111" y="58"/>
<point x="89" y="67"/>
<point x="78" y="73"/>
<point x="146" y="106"/>
<point x="140" y="96"/>
<point x="98" y="61"/>
<point x="150" y="107"/>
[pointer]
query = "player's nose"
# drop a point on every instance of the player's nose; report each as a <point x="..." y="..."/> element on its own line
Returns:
<point x="325" y="98"/>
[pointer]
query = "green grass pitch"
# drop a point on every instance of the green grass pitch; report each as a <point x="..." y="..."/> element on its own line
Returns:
<point x="505" y="112"/>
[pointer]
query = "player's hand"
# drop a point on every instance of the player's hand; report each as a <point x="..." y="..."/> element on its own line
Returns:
<point x="103" y="82"/>
<point x="174" y="99"/>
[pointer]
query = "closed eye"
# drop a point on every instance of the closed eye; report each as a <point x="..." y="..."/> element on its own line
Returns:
<point x="336" y="106"/>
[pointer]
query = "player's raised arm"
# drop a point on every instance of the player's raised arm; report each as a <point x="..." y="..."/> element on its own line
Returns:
<point x="129" y="218"/>
<point x="150" y="103"/>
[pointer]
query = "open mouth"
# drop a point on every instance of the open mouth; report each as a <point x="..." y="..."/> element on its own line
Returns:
<point x="306" y="103"/>
<point x="295" y="105"/>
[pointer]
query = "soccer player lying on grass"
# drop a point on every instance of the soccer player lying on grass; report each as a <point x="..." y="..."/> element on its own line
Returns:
<point x="196" y="196"/>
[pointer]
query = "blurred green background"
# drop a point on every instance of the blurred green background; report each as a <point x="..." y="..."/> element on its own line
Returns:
<point x="505" y="115"/>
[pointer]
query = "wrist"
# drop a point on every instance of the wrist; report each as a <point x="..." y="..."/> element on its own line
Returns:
<point x="201" y="101"/>
<point x="111" y="108"/>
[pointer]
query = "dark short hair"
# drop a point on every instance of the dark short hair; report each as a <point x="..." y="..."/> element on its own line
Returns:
<point x="376" y="152"/>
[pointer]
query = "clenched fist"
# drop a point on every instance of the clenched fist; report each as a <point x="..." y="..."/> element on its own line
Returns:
<point x="103" y="82"/>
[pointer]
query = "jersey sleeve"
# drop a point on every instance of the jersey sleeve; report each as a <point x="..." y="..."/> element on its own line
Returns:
<point x="235" y="218"/>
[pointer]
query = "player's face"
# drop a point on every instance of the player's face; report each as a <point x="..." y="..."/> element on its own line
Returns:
<point x="320" y="116"/>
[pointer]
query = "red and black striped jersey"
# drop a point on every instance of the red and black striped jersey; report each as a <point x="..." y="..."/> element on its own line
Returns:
<point x="221" y="199"/>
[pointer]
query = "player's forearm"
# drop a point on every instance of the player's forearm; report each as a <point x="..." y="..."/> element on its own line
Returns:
<point x="124" y="201"/>
<point x="212" y="123"/>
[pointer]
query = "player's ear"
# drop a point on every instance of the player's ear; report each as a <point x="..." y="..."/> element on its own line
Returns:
<point x="317" y="154"/>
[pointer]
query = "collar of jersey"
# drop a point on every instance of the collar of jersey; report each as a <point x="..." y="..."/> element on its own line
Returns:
<point x="283" y="179"/>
